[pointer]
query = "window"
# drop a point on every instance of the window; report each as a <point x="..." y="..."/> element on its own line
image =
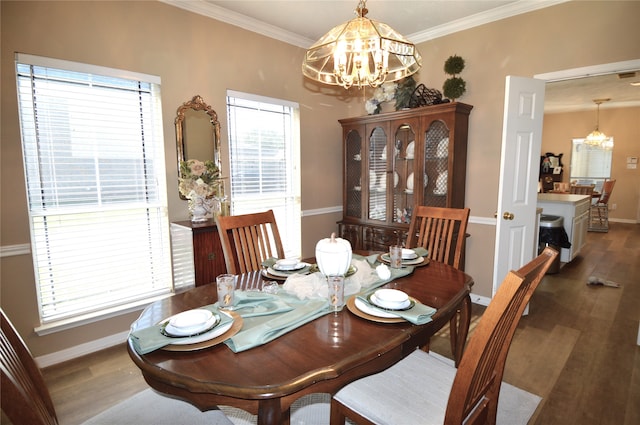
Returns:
<point x="93" y="154"/>
<point x="265" y="161"/>
<point x="590" y="164"/>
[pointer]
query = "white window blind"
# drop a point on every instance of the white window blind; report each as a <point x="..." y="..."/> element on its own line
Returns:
<point x="589" y="161"/>
<point x="265" y="161"/>
<point x="93" y="154"/>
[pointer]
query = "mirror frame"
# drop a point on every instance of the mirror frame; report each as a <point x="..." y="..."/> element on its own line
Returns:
<point x="196" y="104"/>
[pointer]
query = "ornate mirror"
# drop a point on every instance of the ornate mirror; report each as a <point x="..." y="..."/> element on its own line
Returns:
<point x="197" y="133"/>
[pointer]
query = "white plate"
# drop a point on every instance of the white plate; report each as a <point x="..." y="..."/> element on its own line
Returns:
<point x="408" y="254"/>
<point x="378" y="302"/>
<point x="410" y="150"/>
<point x="441" y="184"/>
<point x="182" y="332"/>
<point x="410" y="182"/>
<point x="192" y="320"/>
<point x="365" y="308"/>
<point x="213" y="333"/>
<point x="391" y="295"/>
<point x="385" y="257"/>
<point x="442" y="150"/>
<point x="283" y="273"/>
<point x="289" y="268"/>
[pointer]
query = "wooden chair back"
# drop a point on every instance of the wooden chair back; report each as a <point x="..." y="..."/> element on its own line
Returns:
<point x="561" y="187"/>
<point x="249" y="239"/>
<point x="607" y="188"/>
<point x="474" y="395"/>
<point x="442" y="231"/>
<point x="582" y="189"/>
<point x="23" y="395"/>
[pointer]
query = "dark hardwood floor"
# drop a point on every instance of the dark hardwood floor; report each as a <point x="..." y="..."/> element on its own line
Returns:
<point x="576" y="348"/>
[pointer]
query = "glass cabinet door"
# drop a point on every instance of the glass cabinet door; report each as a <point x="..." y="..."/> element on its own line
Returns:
<point x="436" y="164"/>
<point x="378" y="174"/>
<point x="353" y="174"/>
<point x="403" y="173"/>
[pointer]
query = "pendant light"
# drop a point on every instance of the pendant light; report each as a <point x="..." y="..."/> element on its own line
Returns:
<point x="596" y="137"/>
<point x="361" y="52"/>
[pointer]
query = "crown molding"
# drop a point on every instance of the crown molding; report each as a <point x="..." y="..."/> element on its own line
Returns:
<point x="502" y="12"/>
<point x="233" y="18"/>
<point x="250" y="24"/>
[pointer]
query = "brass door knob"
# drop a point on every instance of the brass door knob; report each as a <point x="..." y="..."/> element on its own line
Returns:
<point x="508" y="216"/>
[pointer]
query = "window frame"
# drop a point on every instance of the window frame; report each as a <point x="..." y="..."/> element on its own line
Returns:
<point x="150" y="202"/>
<point x="592" y="174"/>
<point x="286" y="205"/>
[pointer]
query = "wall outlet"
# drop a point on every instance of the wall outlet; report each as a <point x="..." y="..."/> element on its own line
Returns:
<point x="613" y="207"/>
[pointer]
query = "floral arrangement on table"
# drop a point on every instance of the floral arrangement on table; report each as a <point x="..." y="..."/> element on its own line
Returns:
<point x="199" y="179"/>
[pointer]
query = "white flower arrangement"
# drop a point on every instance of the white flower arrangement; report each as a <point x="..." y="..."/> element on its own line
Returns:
<point x="385" y="93"/>
<point x="199" y="179"/>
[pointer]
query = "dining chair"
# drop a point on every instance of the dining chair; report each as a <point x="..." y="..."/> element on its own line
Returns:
<point x="442" y="231"/>
<point x="249" y="239"/>
<point x="561" y="187"/>
<point x="599" y="211"/>
<point x="586" y="189"/>
<point x="424" y="389"/>
<point x="25" y="398"/>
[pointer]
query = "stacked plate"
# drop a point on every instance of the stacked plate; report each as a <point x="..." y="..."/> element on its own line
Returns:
<point x="409" y="254"/>
<point x="191" y="323"/>
<point x="288" y="265"/>
<point x="285" y="268"/>
<point x="390" y="299"/>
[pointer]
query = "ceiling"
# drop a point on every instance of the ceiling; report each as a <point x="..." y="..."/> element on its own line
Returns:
<point x="302" y="22"/>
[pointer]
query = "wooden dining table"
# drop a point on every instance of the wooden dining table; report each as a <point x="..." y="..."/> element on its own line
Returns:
<point x="320" y="356"/>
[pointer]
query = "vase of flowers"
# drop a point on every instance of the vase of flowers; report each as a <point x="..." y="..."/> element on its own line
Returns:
<point x="385" y="93"/>
<point x="200" y="183"/>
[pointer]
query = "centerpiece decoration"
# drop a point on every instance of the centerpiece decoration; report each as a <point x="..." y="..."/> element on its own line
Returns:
<point x="454" y="87"/>
<point x="333" y="256"/>
<point x="400" y="91"/>
<point x="201" y="184"/>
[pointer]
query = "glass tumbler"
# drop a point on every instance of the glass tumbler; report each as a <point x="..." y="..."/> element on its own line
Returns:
<point x="226" y="284"/>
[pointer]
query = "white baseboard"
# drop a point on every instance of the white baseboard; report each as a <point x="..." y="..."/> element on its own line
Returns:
<point x="81" y="350"/>
<point x="479" y="299"/>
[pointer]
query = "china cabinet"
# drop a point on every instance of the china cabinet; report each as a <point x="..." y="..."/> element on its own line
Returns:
<point x="396" y="160"/>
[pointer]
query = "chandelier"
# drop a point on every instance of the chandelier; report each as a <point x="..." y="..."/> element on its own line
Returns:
<point x="596" y="137"/>
<point x="361" y="52"/>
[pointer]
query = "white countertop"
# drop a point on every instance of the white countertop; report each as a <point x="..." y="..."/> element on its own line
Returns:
<point x="561" y="197"/>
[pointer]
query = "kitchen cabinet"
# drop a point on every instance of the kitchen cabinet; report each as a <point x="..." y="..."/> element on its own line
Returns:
<point x="394" y="161"/>
<point x="197" y="253"/>
<point x="575" y="211"/>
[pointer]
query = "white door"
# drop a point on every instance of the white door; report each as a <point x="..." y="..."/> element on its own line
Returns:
<point x="517" y="229"/>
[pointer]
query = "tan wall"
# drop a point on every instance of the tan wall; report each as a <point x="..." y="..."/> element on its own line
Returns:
<point x="621" y="123"/>
<point x="193" y="55"/>
<point x="196" y="55"/>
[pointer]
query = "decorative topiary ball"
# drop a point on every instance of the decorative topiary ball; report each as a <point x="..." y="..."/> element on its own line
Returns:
<point x="454" y="65"/>
<point x="454" y="87"/>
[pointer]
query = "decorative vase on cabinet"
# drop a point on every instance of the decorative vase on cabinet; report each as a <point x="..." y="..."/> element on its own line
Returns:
<point x="394" y="161"/>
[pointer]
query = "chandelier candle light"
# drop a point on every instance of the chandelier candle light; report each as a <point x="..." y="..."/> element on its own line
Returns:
<point x="361" y="52"/>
